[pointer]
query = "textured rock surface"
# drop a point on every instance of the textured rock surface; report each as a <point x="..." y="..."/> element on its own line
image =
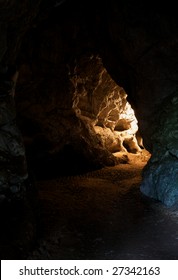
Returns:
<point x="162" y="170"/>
<point x="56" y="121"/>
<point x="99" y="101"/>
<point x="83" y="108"/>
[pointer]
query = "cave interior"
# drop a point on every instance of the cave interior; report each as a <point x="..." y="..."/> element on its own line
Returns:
<point x="88" y="130"/>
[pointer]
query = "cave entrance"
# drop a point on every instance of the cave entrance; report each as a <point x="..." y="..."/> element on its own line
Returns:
<point x="86" y="215"/>
<point x="75" y="122"/>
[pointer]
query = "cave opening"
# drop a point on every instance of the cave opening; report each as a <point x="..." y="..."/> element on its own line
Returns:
<point x="99" y="117"/>
<point x="75" y="195"/>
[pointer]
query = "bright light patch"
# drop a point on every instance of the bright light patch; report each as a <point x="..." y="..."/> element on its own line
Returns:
<point x="129" y="114"/>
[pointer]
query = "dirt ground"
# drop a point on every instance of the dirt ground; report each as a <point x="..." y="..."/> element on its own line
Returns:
<point x="103" y="215"/>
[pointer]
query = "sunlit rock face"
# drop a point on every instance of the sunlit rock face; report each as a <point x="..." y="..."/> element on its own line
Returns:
<point x="55" y="124"/>
<point x="99" y="101"/>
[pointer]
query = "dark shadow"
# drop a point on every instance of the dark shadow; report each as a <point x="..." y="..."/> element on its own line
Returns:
<point x="68" y="162"/>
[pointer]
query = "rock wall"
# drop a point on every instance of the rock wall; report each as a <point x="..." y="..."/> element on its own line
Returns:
<point x="15" y="19"/>
<point x="144" y="41"/>
<point x="13" y="170"/>
<point x="160" y="178"/>
<point x="99" y="101"/>
<point x="18" y="197"/>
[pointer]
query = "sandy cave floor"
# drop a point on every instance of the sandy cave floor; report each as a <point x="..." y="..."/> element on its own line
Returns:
<point x="103" y="215"/>
<point x="98" y="215"/>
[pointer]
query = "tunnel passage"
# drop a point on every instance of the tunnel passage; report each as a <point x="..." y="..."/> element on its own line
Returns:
<point x="48" y="57"/>
<point x="137" y="44"/>
<point x="85" y="129"/>
<point x="138" y="47"/>
<point x="64" y="52"/>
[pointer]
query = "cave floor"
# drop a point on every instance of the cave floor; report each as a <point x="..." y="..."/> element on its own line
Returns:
<point x="103" y="215"/>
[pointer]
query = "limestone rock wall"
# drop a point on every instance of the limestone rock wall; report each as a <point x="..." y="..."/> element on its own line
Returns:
<point x="98" y="100"/>
<point x="50" y="118"/>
